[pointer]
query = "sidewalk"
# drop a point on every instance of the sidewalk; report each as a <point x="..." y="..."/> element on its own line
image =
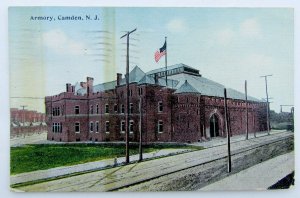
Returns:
<point x="258" y="177"/>
<point x="86" y="167"/>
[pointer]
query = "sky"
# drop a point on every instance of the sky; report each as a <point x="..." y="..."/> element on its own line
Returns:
<point x="227" y="45"/>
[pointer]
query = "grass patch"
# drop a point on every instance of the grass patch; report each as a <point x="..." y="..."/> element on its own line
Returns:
<point x="44" y="156"/>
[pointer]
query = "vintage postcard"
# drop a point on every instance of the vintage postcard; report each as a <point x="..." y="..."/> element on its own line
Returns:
<point x="151" y="98"/>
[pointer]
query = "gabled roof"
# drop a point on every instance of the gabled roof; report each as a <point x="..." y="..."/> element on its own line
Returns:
<point x="208" y="87"/>
<point x="135" y="75"/>
<point x="186" y="88"/>
<point x="161" y="81"/>
<point x="147" y="80"/>
<point x="182" y="82"/>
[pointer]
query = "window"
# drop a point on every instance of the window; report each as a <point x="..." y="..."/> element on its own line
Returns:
<point x="160" y="106"/>
<point x="91" y="126"/>
<point x="115" y="108"/>
<point x="77" y="127"/>
<point x="77" y="109"/>
<point x="56" y="111"/>
<point x="122" y="108"/>
<point x="131" y="108"/>
<point x="122" y="126"/>
<point x="130" y="92"/>
<point x="106" y="108"/>
<point x="97" y="109"/>
<point x="91" y="109"/>
<point x="56" y="127"/>
<point x="140" y="91"/>
<point x="160" y="126"/>
<point x="107" y="126"/>
<point x="97" y="127"/>
<point x="131" y="126"/>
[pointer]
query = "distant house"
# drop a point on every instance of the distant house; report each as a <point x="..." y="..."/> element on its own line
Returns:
<point x="188" y="108"/>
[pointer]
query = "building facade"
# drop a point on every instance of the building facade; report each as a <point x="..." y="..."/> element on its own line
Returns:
<point x="184" y="108"/>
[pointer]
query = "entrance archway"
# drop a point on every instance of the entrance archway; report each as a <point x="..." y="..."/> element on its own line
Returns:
<point x="214" y="126"/>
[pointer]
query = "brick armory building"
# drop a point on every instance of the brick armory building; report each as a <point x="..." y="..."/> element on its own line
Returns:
<point x="190" y="108"/>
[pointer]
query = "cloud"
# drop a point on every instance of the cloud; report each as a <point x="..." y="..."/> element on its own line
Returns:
<point x="247" y="29"/>
<point x="177" y="26"/>
<point x="225" y="36"/>
<point x="250" y="28"/>
<point x="58" y="41"/>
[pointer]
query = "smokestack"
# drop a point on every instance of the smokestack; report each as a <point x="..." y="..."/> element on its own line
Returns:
<point x="68" y="87"/>
<point x="73" y="88"/>
<point x="89" y="82"/>
<point x="156" y="78"/>
<point x="119" y="78"/>
<point x="83" y="84"/>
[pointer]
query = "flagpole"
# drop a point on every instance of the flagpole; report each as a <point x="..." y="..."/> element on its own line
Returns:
<point x="166" y="62"/>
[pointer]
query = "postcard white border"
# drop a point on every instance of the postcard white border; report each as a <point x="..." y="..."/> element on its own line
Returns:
<point x="4" y="88"/>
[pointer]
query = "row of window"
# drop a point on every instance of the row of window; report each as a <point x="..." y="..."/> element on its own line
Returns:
<point x="140" y="92"/>
<point x="122" y="109"/>
<point x="95" y="127"/>
<point x="169" y="72"/>
<point x="56" y="110"/>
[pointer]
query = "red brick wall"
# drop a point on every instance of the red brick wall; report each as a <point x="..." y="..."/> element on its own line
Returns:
<point x="186" y="117"/>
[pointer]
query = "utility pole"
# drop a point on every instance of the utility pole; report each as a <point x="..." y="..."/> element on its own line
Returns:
<point x="268" y="105"/>
<point x="23" y="114"/>
<point x="166" y="54"/>
<point x="246" y="99"/>
<point x="140" y="130"/>
<point x="127" y="101"/>
<point x="227" y="132"/>
<point x="292" y="112"/>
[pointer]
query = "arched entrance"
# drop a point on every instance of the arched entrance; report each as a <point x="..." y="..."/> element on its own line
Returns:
<point x="214" y="126"/>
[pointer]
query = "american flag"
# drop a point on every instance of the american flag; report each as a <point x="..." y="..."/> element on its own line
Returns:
<point x="161" y="52"/>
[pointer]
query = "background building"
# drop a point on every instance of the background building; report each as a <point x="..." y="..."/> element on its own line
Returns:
<point x="188" y="108"/>
<point x="25" y="122"/>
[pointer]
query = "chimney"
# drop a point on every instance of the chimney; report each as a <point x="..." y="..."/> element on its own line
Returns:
<point x="119" y="78"/>
<point x="156" y="78"/>
<point x="68" y="87"/>
<point x="89" y="82"/>
<point x="73" y="88"/>
<point x="83" y="84"/>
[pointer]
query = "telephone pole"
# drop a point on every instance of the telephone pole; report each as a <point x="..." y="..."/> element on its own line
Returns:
<point x="166" y="59"/>
<point x="246" y="100"/>
<point x="128" y="92"/>
<point x="227" y="131"/>
<point x="140" y="130"/>
<point x="268" y="105"/>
